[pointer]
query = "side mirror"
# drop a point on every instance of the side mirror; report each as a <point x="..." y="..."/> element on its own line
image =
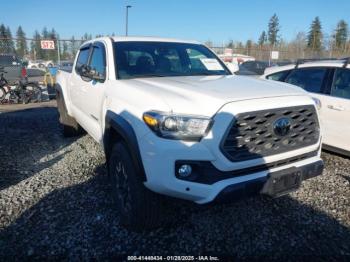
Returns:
<point x="88" y="74"/>
<point x="84" y="70"/>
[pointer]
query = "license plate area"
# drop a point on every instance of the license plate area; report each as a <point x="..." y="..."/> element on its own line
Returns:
<point x="282" y="182"/>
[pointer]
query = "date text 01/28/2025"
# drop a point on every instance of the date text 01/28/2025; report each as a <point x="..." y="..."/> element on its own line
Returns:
<point x="173" y="258"/>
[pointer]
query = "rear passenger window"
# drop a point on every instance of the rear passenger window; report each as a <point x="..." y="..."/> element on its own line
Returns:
<point x="341" y="83"/>
<point x="310" y="79"/>
<point x="82" y="59"/>
<point x="280" y="76"/>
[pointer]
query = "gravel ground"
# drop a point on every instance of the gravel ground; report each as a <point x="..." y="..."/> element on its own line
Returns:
<point x="54" y="202"/>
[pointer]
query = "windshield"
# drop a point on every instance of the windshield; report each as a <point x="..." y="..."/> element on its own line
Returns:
<point x="159" y="59"/>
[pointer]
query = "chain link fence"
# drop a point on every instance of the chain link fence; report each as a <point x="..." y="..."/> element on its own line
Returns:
<point x="285" y="54"/>
<point x="30" y="48"/>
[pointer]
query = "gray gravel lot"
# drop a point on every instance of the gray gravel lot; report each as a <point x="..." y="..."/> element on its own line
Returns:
<point x="54" y="202"/>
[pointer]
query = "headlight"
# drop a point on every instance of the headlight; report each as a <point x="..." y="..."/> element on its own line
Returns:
<point x="317" y="102"/>
<point x="174" y="126"/>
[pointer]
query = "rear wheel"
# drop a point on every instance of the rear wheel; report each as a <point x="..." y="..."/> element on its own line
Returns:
<point x="139" y="208"/>
<point x="70" y="126"/>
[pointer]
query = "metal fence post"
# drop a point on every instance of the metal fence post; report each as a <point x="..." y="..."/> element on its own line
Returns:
<point x="58" y="52"/>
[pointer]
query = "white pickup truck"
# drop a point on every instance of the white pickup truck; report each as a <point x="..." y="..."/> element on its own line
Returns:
<point x="173" y="120"/>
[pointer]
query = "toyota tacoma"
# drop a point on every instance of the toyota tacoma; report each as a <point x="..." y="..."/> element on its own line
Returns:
<point x="173" y="120"/>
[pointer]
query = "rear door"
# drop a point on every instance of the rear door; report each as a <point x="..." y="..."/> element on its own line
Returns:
<point x="336" y="111"/>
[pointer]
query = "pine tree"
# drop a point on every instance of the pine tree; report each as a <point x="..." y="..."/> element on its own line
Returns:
<point x="262" y="39"/>
<point x="73" y="46"/>
<point x="45" y="33"/>
<point x="9" y="41"/>
<point x="230" y="44"/>
<point x="52" y="54"/>
<point x="65" y="54"/>
<point x="6" y="42"/>
<point x="36" y="50"/>
<point x="315" y="36"/>
<point x="249" y="46"/>
<point x="3" y="46"/>
<point x="21" y="47"/>
<point x="341" y="34"/>
<point x="274" y="28"/>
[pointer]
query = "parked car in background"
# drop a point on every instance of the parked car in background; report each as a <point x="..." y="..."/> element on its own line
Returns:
<point x="236" y="58"/>
<point x="173" y="120"/>
<point x="40" y="64"/>
<point x="253" y="67"/>
<point x="12" y="65"/>
<point x="329" y="81"/>
<point x="65" y="66"/>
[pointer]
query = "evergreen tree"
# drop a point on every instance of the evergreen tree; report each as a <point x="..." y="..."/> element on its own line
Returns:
<point x="21" y="47"/>
<point x="240" y="47"/>
<point x="249" y="46"/>
<point x="52" y="54"/>
<point x="73" y="46"/>
<point x="230" y="44"/>
<point x="65" y="54"/>
<point x="315" y="36"/>
<point x="274" y="28"/>
<point x="36" y="50"/>
<point x="341" y="34"/>
<point x="262" y="39"/>
<point x="9" y="41"/>
<point x="6" y="43"/>
<point x="45" y="33"/>
<point x="3" y="36"/>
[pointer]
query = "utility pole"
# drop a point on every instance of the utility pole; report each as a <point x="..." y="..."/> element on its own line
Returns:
<point x="58" y="52"/>
<point x="126" y="19"/>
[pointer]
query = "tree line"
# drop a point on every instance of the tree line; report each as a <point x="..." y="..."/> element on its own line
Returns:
<point x="30" y="48"/>
<point x="313" y="43"/>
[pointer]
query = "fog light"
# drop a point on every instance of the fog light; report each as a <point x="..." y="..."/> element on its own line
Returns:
<point x="185" y="170"/>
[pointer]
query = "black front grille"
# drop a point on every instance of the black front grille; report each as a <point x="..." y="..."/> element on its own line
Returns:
<point x="252" y="135"/>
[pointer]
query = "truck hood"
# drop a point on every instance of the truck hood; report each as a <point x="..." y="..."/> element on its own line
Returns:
<point x="205" y="95"/>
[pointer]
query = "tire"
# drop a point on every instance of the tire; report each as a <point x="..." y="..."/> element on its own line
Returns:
<point x="139" y="208"/>
<point x="70" y="126"/>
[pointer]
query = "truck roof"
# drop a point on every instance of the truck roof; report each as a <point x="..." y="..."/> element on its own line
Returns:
<point x="145" y="39"/>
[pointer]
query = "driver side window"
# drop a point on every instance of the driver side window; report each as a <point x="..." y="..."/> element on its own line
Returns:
<point x="82" y="59"/>
<point x="98" y="60"/>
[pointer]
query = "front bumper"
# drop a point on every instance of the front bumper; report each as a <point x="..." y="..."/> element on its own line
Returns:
<point x="262" y="185"/>
<point x="159" y="157"/>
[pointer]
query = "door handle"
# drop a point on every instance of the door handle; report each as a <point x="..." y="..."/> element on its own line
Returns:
<point x="338" y="108"/>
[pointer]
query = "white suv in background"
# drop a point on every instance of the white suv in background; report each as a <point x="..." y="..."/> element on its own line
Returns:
<point x="329" y="81"/>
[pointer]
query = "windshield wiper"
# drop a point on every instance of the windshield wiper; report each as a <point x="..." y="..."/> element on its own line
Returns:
<point x="148" y="75"/>
<point x="207" y="74"/>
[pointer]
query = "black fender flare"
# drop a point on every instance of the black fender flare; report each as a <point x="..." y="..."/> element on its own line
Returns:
<point x="128" y="136"/>
<point x="58" y="88"/>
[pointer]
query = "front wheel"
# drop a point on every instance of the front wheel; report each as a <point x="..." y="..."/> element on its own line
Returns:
<point x="139" y="208"/>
